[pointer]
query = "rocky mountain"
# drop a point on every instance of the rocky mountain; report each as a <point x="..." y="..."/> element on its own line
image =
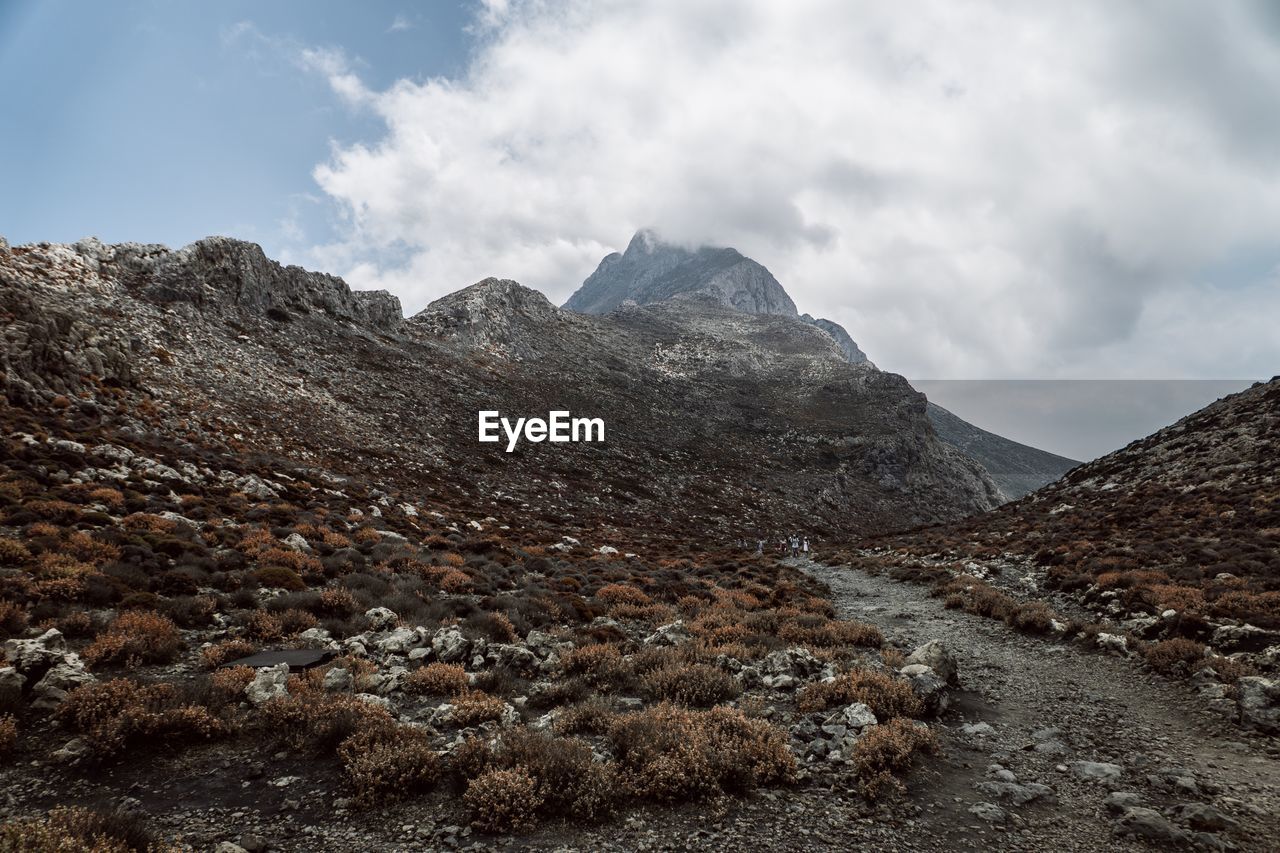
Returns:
<point x="721" y="421"/>
<point x="652" y="271"/>
<point x="1016" y="468"/>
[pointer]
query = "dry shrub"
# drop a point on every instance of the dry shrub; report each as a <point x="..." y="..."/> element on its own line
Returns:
<point x="498" y="626"/>
<point x="1176" y="656"/>
<point x="13" y="552"/>
<point x="80" y="830"/>
<point x="886" y="696"/>
<point x="267" y="626"/>
<point x="256" y="540"/>
<point x="317" y="722"/>
<point x="503" y="801"/>
<point x="136" y="636"/>
<point x="886" y="749"/>
<point x="229" y="684"/>
<point x="54" y="565"/>
<point x="13" y="619"/>
<point x="471" y="758"/>
<point x="334" y="539"/>
<point x="1035" y="617"/>
<point x="669" y="754"/>
<point x="279" y="577"/>
<point x="290" y="559"/>
<point x="591" y="716"/>
<point x="437" y="679"/>
<point x="832" y="633"/>
<point x="893" y="658"/>
<point x="453" y="559"/>
<point x="337" y="601"/>
<point x="475" y="707"/>
<point x="654" y="614"/>
<point x="84" y="547"/>
<point x="228" y="650"/>
<point x="387" y="763"/>
<point x="570" y="782"/>
<point x="599" y="664"/>
<point x="53" y="510"/>
<point x="145" y="522"/>
<point x="108" y="496"/>
<point x="366" y="535"/>
<point x="8" y="734"/>
<point x="455" y="582"/>
<point x="619" y="593"/>
<point x="119" y="714"/>
<point x="696" y="685"/>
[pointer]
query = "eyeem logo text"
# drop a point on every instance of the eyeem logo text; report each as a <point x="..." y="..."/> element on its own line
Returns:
<point x="559" y="426"/>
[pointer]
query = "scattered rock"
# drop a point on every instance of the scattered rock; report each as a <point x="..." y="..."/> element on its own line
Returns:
<point x="1258" y="701"/>
<point x="989" y="812"/>
<point x="1096" y="771"/>
<point x="381" y="619"/>
<point x="1017" y="793"/>
<point x="1204" y="817"/>
<point x="1119" y="801"/>
<point x="672" y="634"/>
<point x="1149" y="824"/>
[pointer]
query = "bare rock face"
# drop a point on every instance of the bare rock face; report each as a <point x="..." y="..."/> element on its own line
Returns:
<point x="651" y="271"/>
<point x="850" y="349"/>
<point x="493" y="314"/>
<point x="220" y="270"/>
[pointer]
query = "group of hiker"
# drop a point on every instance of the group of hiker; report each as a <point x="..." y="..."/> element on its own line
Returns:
<point x="794" y="545"/>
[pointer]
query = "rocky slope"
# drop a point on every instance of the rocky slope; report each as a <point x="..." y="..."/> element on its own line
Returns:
<point x="1017" y="468"/>
<point x="699" y="399"/>
<point x="1167" y="550"/>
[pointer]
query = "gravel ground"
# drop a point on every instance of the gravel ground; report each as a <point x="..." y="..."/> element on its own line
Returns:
<point x="1030" y="721"/>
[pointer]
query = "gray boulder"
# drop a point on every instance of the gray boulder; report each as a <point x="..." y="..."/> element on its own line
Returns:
<point x="928" y="687"/>
<point x="381" y="618"/>
<point x="1096" y="771"/>
<point x="938" y="658"/>
<point x="60" y="680"/>
<point x="1258" y="700"/>
<point x="269" y="683"/>
<point x="11" y="684"/>
<point x="672" y="634"/>
<point x="37" y="654"/>
<point x="1148" y="824"/>
<point x="449" y="645"/>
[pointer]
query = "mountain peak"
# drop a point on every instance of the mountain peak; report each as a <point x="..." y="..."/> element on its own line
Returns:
<point x="652" y="270"/>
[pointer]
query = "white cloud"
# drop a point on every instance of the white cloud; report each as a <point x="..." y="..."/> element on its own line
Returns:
<point x="978" y="189"/>
<point x="400" y="24"/>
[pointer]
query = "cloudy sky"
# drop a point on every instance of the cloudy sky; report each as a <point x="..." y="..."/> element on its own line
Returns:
<point x="975" y="190"/>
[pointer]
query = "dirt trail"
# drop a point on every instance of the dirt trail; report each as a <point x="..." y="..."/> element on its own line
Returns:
<point x="1171" y="750"/>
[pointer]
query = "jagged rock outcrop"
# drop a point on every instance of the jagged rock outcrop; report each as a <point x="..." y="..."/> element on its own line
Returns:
<point x="850" y="349"/>
<point x="219" y="270"/>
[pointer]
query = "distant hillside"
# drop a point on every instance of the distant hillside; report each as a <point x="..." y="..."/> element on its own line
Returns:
<point x="1017" y="468"/>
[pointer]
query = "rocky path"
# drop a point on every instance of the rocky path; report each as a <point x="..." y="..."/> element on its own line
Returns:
<point x="1052" y="747"/>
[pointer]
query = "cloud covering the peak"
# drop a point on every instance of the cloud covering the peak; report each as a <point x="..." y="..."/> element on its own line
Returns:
<point x="972" y="189"/>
